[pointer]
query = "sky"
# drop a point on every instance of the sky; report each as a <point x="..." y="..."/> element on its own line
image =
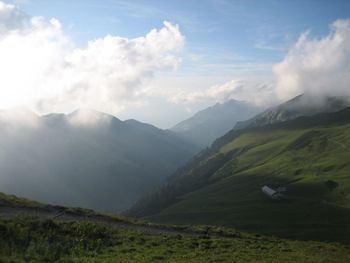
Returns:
<point x="161" y="61"/>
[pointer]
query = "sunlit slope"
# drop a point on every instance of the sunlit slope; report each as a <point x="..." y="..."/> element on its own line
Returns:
<point x="310" y="156"/>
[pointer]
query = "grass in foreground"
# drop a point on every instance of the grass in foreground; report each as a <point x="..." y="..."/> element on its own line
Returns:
<point x="35" y="240"/>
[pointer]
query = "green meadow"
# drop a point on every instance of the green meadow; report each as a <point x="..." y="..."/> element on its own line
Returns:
<point x="223" y="186"/>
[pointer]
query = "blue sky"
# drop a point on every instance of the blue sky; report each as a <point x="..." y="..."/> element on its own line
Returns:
<point x="258" y="31"/>
<point x="224" y="39"/>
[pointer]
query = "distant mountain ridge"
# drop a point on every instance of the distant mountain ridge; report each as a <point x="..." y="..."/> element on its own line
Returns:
<point x="302" y="105"/>
<point x="86" y="158"/>
<point x="208" y="124"/>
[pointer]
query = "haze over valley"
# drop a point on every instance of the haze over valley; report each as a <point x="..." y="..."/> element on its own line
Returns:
<point x="187" y="131"/>
<point x="60" y="159"/>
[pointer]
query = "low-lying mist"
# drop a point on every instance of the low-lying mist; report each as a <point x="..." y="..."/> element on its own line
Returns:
<point x="62" y="159"/>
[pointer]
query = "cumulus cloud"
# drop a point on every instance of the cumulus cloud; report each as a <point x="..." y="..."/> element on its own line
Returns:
<point x="219" y="93"/>
<point x="17" y="118"/>
<point x="42" y="69"/>
<point x="317" y="66"/>
<point x="11" y="18"/>
<point x="249" y="91"/>
<point x="88" y="118"/>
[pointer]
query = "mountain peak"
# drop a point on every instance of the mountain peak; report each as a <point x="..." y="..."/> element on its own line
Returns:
<point x="301" y="105"/>
<point x="210" y="123"/>
<point x="90" y="117"/>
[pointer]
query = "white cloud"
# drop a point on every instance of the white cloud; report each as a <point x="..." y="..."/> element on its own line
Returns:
<point x="42" y="69"/>
<point x="15" y="119"/>
<point x="11" y="18"/>
<point x="254" y="92"/>
<point x="313" y="66"/>
<point x="214" y="93"/>
<point x="317" y="66"/>
<point x="89" y="118"/>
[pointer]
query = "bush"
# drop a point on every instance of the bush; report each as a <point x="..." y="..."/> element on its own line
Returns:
<point x="331" y="185"/>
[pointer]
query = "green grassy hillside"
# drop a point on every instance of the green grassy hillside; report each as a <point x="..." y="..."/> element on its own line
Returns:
<point x="28" y="238"/>
<point x="310" y="156"/>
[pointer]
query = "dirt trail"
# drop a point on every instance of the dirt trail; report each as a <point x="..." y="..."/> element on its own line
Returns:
<point x="342" y="145"/>
<point x="9" y="212"/>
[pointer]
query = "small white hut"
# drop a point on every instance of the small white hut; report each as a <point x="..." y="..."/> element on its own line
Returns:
<point x="270" y="192"/>
<point x="281" y="189"/>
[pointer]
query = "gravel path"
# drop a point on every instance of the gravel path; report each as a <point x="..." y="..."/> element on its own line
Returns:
<point x="56" y="214"/>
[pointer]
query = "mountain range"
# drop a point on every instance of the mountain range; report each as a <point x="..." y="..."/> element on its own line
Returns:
<point x="86" y="158"/>
<point x="94" y="160"/>
<point x="302" y="105"/>
<point x="211" y="123"/>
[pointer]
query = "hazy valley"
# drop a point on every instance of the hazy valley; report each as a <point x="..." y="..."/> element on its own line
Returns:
<point x="174" y="131"/>
<point x="85" y="158"/>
